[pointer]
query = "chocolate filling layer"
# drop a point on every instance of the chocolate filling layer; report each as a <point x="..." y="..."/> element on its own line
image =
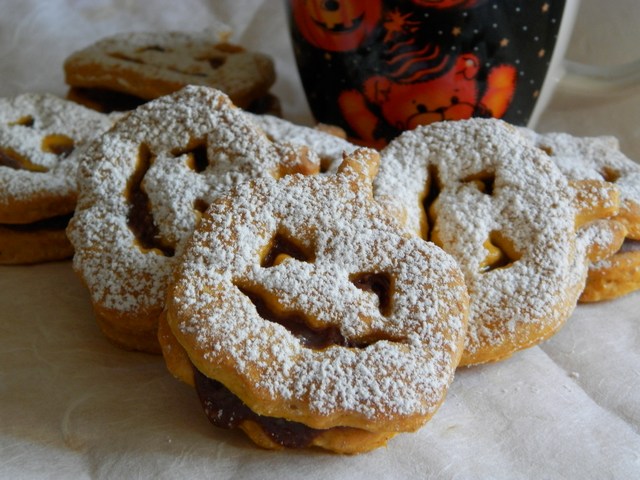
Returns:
<point x="139" y="219"/>
<point x="225" y="410"/>
<point x="281" y="245"/>
<point x="53" y="223"/>
<point x="316" y="338"/>
<point x="106" y="100"/>
<point x="380" y="285"/>
<point x="12" y="159"/>
<point x="630" y="245"/>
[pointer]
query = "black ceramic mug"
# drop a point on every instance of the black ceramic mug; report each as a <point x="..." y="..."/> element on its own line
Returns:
<point x="379" y="67"/>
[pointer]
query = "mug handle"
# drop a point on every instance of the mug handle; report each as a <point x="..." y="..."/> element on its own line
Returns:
<point x="577" y="79"/>
<point x="580" y="78"/>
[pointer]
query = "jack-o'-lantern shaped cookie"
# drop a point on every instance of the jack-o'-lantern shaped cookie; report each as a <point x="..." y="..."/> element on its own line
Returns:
<point x="327" y="141"/>
<point x="496" y="203"/>
<point x="125" y="70"/>
<point x="600" y="159"/>
<point x="304" y="315"/>
<point x="41" y="136"/>
<point x="142" y="189"/>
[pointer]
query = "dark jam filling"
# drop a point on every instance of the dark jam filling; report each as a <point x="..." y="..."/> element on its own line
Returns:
<point x="281" y="245"/>
<point x="11" y="159"/>
<point x="225" y="410"/>
<point x="380" y="285"/>
<point x="316" y="338"/>
<point x="139" y="218"/>
<point x="8" y="160"/>
<point x="107" y="101"/>
<point x="266" y="105"/>
<point x="630" y="245"/>
<point x="48" y="224"/>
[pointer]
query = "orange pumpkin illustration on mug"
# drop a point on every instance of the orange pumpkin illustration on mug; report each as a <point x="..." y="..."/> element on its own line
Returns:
<point x="380" y="67"/>
<point x="336" y="25"/>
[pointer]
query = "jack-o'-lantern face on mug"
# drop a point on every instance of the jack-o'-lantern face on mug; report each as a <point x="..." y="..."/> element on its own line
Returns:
<point x="336" y="25"/>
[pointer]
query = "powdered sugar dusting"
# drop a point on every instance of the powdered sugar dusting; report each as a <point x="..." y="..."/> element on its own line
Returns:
<point x="592" y="158"/>
<point x="405" y="370"/>
<point x="122" y="276"/>
<point x="329" y="148"/>
<point x="528" y="203"/>
<point x="600" y="158"/>
<point x="596" y="233"/>
<point x="25" y="121"/>
<point x="169" y="60"/>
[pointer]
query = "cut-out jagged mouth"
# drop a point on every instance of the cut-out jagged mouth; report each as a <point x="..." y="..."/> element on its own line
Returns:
<point x="315" y="338"/>
<point x="341" y="27"/>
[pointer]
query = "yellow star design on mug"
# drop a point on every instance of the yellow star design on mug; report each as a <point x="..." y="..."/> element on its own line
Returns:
<point x="504" y="42"/>
<point x="545" y="8"/>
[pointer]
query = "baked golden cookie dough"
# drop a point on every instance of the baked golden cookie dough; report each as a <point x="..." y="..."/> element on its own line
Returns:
<point x="600" y="158"/>
<point x="143" y="187"/>
<point x="40" y="138"/>
<point x="496" y="203"/>
<point x="306" y="316"/>
<point x="125" y="70"/>
<point x="327" y="141"/>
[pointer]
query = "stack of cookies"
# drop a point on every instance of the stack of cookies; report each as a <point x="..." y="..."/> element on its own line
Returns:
<point x="600" y="159"/>
<point x="128" y="69"/>
<point x="40" y="139"/>
<point x="313" y="293"/>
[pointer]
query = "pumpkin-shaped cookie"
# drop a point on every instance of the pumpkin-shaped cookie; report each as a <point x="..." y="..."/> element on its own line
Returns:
<point x="40" y="138"/>
<point x="143" y="187"/>
<point x="126" y="69"/>
<point x="305" y="302"/>
<point x="496" y="203"/>
<point x="600" y="158"/>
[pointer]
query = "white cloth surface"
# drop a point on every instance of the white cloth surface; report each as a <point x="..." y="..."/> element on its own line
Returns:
<point x="74" y="406"/>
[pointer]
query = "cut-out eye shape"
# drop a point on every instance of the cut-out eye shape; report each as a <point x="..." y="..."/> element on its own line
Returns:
<point x="483" y="180"/>
<point x="12" y="159"/>
<point x="381" y="284"/>
<point x="610" y="174"/>
<point x="26" y="121"/>
<point x="281" y="248"/>
<point x="325" y="164"/>
<point x="60" y="145"/>
<point x="198" y="160"/>
<point x="152" y="48"/>
<point x="139" y="219"/>
<point x="500" y="252"/>
<point x="216" y="62"/>
<point x="546" y="149"/>
<point x="187" y="72"/>
<point x="200" y="205"/>
<point x="432" y="193"/>
<point x="229" y="48"/>
<point x="126" y="58"/>
<point x="315" y="338"/>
